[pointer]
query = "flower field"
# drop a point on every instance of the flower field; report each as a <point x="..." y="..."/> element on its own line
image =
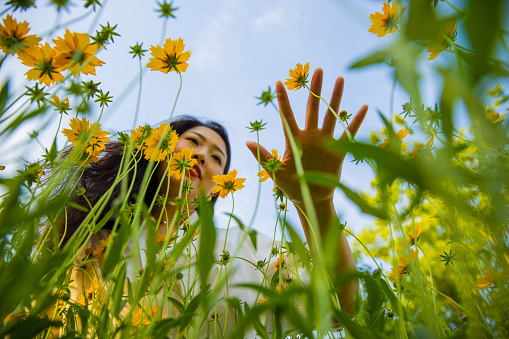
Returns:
<point x="135" y="261"/>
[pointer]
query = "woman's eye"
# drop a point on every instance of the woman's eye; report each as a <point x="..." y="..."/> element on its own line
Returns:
<point x="193" y="140"/>
<point x="216" y="158"/>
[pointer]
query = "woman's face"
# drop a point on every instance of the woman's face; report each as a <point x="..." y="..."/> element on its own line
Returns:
<point x="209" y="149"/>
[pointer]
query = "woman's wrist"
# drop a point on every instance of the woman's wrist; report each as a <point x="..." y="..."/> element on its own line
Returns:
<point x="318" y="204"/>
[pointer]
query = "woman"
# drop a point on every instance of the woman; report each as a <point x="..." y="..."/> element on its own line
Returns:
<point x="212" y="152"/>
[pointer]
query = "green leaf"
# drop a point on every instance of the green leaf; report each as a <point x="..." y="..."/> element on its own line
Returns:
<point x="163" y="327"/>
<point x="257" y="324"/>
<point x="118" y="291"/>
<point x="191" y="308"/>
<point x="331" y="180"/>
<point x="102" y="222"/>
<point x="177" y="304"/>
<point x="298" y="246"/>
<point x="24" y="116"/>
<point x="4" y="96"/>
<point x="352" y="327"/>
<point x="77" y="206"/>
<point x="114" y="252"/>
<point x="405" y="61"/>
<point x="372" y="59"/>
<point x="422" y="23"/>
<point x="392" y="298"/>
<point x="375" y="293"/>
<point x="251" y="233"/>
<point x="29" y="328"/>
<point x="482" y="29"/>
<point x="207" y="244"/>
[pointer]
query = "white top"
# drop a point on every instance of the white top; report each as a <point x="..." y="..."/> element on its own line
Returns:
<point x="235" y="271"/>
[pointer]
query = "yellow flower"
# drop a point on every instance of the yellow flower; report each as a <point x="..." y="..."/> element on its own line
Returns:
<point x="60" y="105"/>
<point x="260" y="301"/>
<point x="492" y="117"/>
<point x="102" y="247"/>
<point x="2" y="167"/>
<point x="94" y="293"/>
<point x="279" y="260"/>
<point x="403" y="266"/>
<point x="181" y="163"/>
<point x="227" y="183"/>
<point x="442" y="43"/>
<point x="413" y="237"/>
<point x="139" y="135"/>
<point x="298" y="77"/>
<point x="89" y="136"/>
<point x="488" y="278"/>
<point x="170" y="57"/>
<point x="400" y="134"/>
<point x="388" y="21"/>
<point x="419" y="148"/>
<point x="143" y="316"/>
<point x="263" y="174"/>
<point x="13" y="38"/>
<point x="280" y="287"/>
<point x="76" y="53"/>
<point x="42" y="61"/>
<point x="155" y="151"/>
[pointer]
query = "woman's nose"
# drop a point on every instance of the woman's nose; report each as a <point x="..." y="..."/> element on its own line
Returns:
<point x="199" y="157"/>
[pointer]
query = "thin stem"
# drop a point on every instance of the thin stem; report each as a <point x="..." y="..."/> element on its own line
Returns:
<point x="475" y="300"/>
<point x="4" y="57"/>
<point x="259" y="182"/>
<point x="348" y="134"/>
<point x="456" y="8"/>
<point x="139" y="97"/>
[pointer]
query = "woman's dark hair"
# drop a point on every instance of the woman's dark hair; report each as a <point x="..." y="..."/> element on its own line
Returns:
<point x="98" y="177"/>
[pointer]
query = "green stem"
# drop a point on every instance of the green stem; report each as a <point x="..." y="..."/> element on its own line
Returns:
<point x="259" y="182"/>
<point x="348" y="134"/>
<point x="4" y="57"/>
<point x="139" y="97"/>
<point x="456" y="8"/>
<point x="475" y="300"/>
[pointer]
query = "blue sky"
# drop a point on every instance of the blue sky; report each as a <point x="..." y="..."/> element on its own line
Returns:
<point x="239" y="48"/>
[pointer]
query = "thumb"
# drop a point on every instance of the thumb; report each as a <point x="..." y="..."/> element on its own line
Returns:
<point x="264" y="154"/>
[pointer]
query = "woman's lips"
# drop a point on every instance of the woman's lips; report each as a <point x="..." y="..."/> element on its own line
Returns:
<point x="195" y="172"/>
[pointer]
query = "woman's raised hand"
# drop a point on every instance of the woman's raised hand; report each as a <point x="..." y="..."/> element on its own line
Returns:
<point x="315" y="157"/>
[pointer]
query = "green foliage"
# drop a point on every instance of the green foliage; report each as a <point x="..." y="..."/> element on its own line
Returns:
<point x="441" y="213"/>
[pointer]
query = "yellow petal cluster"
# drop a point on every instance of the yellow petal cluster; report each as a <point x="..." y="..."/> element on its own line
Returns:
<point x="160" y="143"/>
<point x="13" y="36"/>
<point x="170" y="57"/>
<point x="89" y="137"/>
<point x="227" y="183"/>
<point x="76" y="54"/>
<point x="400" y="135"/>
<point x="298" y="77"/>
<point x="388" y="21"/>
<point x="42" y="61"/>
<point x="182" y="162"/>
<point x="403" y="267"/>
<point x="443" y="42"/>
<point x="488" y="278"/>
<point x="263" y="174"/>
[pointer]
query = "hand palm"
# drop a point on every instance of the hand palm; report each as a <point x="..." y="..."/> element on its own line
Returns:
<point x="315" y="157"/>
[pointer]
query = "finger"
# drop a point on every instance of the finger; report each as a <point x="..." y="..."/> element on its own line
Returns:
<point x="356" y="122"/>
<point x="313" y="105"/>
<point x="330" y="120"/>
<point x="286" y="109"/>
<point x="264" y="154"/>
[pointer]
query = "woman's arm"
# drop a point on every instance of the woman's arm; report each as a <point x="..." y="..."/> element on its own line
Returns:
<point x="316" y="158"/>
